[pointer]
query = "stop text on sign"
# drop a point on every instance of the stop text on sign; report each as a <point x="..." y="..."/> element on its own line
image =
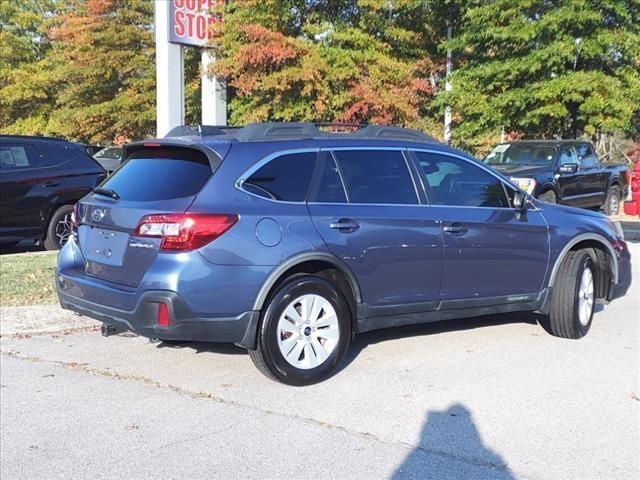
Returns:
<point x="192" y="23"/>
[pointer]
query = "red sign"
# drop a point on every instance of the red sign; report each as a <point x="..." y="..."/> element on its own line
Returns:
<point x="191" y="21"/>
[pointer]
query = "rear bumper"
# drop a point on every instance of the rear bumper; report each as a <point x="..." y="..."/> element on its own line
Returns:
<point x="183" y="323"/>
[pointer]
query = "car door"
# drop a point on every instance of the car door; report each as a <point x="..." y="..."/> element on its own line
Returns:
<point x="26" y="183"/>
<point x="366" y="207"/>
<point x="569" y="182"/>
<point x="591" y="186"/>
<point x="492" y="253"/>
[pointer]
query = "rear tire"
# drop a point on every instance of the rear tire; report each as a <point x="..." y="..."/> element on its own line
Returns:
<point x="59" y="229"/>
<point x="549" y="196"/>
<point x="573" y="297"/>
<point x="304" y="332"/>
<point x="612" y="203"/>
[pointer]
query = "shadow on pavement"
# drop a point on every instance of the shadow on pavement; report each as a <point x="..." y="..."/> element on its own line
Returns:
<point x="365" y="339"/>
<point x="451" y="448"/>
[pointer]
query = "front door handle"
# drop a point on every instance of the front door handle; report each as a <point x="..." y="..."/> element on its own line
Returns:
<point x="456" y="229"/>
<point x="345" y="225"/>
<point x="51" y="184"/>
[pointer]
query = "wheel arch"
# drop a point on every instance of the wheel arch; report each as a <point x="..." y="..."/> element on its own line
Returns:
<point x="315" y="261"/>
<point x="546" y="187"/>
<point x="592" y="241"/>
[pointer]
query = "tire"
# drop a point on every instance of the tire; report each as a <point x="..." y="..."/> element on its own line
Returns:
<point x="549" y="196"/>
<point x="612" y="203"/>
<point x="278" y="335"/>
<point x="59" y="228"/>
<point x="572" y="306"/>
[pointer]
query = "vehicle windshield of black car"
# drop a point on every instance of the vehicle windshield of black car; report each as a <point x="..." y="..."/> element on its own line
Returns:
<point x="521" y="154"/>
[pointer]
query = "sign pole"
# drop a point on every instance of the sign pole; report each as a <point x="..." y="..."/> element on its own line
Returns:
<point x="214" y="95"/>
<point x="169" y="73"/>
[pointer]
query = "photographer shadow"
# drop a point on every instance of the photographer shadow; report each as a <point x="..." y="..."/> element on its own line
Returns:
<point x="451" y="448"/>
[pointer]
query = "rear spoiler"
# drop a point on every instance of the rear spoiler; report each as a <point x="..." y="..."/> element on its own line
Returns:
<point x="215" y="158"/>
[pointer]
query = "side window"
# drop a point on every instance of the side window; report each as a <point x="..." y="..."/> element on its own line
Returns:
<point x="330" y="188"/>
<point x="284" y="178"/>
<point x="568" y="155"/>
<point x="15" y="156"/>
<point x="376" y="176"/>
<point x="586" y="157"/>
<point x="453" y="181"/>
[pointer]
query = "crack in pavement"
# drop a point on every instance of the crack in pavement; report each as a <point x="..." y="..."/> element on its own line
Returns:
<point x="83" y="367"/>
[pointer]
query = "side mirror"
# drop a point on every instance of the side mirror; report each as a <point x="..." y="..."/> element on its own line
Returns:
<point x="520" y="201"/>
<point x="569" y="168"/>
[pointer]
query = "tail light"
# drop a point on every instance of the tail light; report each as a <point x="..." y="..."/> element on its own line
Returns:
<point x="183" y="232"/>
<point x="163" y="315"/>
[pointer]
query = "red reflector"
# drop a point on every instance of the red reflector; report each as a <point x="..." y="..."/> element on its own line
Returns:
<point x="152" y="144"/>
<point x="163" y="315"/>
<point x="182" y="231"/>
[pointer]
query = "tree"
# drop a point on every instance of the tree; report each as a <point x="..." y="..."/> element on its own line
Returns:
<point x="83" y="70"/>
<point x="321" y="60"/>
<point x="546" y="69"/>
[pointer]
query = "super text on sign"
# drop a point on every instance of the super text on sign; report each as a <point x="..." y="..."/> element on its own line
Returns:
<point x="192" y="23"/>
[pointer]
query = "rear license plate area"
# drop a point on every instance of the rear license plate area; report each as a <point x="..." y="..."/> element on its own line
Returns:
<point x="106" y="246"/>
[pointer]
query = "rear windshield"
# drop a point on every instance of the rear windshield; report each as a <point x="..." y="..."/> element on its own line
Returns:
<point x="160" y="174"/>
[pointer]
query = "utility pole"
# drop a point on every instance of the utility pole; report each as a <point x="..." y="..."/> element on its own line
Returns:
<point x="447" y="84"/>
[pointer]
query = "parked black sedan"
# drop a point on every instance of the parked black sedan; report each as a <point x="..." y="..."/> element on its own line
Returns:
<point x="40" y="181"/>
<point x="562" y="171"/>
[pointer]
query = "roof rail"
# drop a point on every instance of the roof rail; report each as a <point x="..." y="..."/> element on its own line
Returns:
<point x="395" y="133"/>
<point x="201" y="130"/>
<point x="255" y="132"/>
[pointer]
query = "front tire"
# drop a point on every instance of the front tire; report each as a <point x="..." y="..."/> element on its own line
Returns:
<point x="304" y="332"/>
<point x="60" y="228"/>
<point x="573" y="297"/>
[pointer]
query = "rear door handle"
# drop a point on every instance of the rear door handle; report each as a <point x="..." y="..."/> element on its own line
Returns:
<point x="51" y="184"/>
<point x="455" y="229"/>
<point x="345" y="224"/>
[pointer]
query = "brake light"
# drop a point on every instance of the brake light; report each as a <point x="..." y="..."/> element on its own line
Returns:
<point x="163" y="315"/>
<point x="182" y="232"/>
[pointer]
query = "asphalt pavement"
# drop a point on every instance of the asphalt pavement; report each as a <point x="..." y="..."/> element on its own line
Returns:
<point x="484" y="398"/>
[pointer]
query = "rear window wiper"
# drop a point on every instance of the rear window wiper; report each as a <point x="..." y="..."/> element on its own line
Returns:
<point x="107" y="192"/>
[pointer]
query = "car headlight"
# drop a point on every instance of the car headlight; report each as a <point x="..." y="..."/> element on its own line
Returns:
<point x="524" y="184"/>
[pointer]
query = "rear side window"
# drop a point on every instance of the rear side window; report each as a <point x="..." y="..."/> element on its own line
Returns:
<point x="15" y="156"/>
<point x="161" y="174"/>
<point x="284" y="178"/>
<point x="376" y="176"/>
<point x="456" y="182"/>
<point x="330" y="188"/>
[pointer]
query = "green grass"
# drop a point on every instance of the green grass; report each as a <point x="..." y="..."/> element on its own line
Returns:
<point x="28" y="279"/>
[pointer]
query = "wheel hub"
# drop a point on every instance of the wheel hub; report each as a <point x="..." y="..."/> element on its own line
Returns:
<point x="585" y="297"/>
<point x="308" y="331"/>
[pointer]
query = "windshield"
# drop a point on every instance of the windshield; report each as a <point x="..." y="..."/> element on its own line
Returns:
<point x="109" y="152"/>
<point x="521" y="154"/>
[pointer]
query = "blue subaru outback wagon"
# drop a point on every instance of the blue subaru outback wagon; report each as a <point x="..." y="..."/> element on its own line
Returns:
<point x="288" y="241"/>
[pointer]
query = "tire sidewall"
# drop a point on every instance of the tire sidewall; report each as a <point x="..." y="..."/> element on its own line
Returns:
<point x="586" y="262"/>
<point x="291" y="290"/>
<point x="51" y="241"/>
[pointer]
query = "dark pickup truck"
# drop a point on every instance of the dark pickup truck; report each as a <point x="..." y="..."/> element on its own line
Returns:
<point x="562" y="171"/>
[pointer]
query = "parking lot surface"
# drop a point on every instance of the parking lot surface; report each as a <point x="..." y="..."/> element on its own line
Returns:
<point x="491" y="397"/>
